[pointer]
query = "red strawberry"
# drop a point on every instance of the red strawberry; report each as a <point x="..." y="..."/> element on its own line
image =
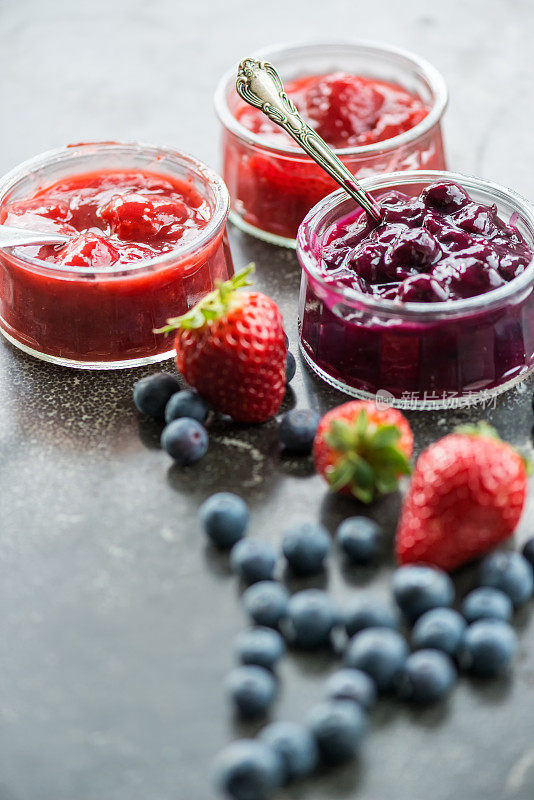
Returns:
<point x="231" y="348"/>
<point x="465" y="497"/>
<point x="362" y="450"/>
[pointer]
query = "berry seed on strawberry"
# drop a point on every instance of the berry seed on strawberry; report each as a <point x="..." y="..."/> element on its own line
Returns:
<point x="230" y="347"/>
<point x="362" y="450"/>
<point x="465" y="497"/>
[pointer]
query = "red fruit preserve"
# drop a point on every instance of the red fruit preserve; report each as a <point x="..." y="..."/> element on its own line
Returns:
<point x="431" y="308"/>
<point x="147" y="242"/>
<point x="380" y="110"/>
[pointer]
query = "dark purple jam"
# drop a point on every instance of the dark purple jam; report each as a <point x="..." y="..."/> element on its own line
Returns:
<point x="438" y="246"/>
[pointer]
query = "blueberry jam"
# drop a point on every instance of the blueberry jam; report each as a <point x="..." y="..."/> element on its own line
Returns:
<point x="438" y="246"/>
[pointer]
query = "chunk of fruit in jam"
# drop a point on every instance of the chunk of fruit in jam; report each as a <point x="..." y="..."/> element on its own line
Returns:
<point x="137" y="217"/>
<point x="89" y="250"/>
<point x="439" y="246"/>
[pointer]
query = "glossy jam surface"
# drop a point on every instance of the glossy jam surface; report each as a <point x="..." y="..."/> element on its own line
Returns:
<point x="345" y="110"/>
<point x="438" y="246"/>
<point x="102" y="313"/>
<point x="114" y="217"/>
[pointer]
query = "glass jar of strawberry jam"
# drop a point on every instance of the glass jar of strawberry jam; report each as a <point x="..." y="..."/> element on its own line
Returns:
<point x="148" y="228"/>
<point x="379" y="108"/>
<point x="434" y="307"/>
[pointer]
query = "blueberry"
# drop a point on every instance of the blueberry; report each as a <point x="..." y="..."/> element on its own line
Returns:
<point x="187" y="403"/>
<point x="297" y="430"/>
<point x="487" y="647"/>
<point x="151" y="394"/>
<point x="252" y="690"/>
<point x="528" y="551"/>
<point x="487" y="603"/>
<point x="311" y="618"/>
<point x="266" y="603"/>
<point x="260" y="646"/>
<point x="380" y="652"/>
<point x="358" y="538"/>
<point x="291" y="367"/>
<point x="364" y="610"/>
<point x="511" y="573"/>
<point x="338" y="727"/>
<point x="305" y="546"/>
<point x="439" y="629"/>
<point x="186" y="440"/>
<point x="427" y="676"/>
<point x="247" y="770"/>
<point x="294" y="745"/>
<point x="224" y="517"/>
<point x="253" y="560"/>
<point x="418" y="589"/>
<point x="447" y="196"/>
<point x="351" y="684"/>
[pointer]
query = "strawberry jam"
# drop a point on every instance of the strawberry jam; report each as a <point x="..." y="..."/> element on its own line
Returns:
<point x="132" y="261"/>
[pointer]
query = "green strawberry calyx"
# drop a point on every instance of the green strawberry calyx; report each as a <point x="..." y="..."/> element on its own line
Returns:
<point x="213" y="306"/>
<point x="484" y="430"/>
<point x="370" y="462"/>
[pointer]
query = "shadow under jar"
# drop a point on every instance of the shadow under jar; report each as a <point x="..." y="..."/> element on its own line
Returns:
<point x="418" y="355"/>
<point x="273" y="184"/>
<point x="103" y="316"/>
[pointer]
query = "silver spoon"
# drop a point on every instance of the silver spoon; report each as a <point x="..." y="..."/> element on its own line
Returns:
<point x="15" y="237"/>
<point x="260" y="85"/>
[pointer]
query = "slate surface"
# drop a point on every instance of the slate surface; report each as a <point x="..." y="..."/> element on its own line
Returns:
<point x="116" y="621"/>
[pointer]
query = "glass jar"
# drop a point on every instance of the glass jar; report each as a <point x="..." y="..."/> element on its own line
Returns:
<point x="272" y="187"/>
<point x="86" y="318"/>
<point x="416" y="355"/>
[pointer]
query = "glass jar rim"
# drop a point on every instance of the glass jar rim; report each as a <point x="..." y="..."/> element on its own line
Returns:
<point x="411" y="310"/>
<point x="432" y="75"/>
<point x="71" y="151"/>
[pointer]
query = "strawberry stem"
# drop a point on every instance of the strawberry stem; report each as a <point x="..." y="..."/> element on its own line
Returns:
<point x="212" y="306"/>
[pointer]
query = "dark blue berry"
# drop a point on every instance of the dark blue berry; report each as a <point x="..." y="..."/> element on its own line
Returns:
<point x="418" y="589"/>
<point x="487" y="647"/>
<point x="251" y="689"/>
<point x="297" y="430"/>
<point x="487" y="603"/>
<point x="311" y="618"/>
<point x="263" y="647"/>
<point x="247" y="770"/>
<point x="266" y="603"/>
<point x="511" y="573"/>
<point x="380" y="652"/>
<point x="151" y="394"/>
<point x="253" y="560"/>
<point x="224" y="517"/>
<point x="427" y="676"/>
<point x="295" y="746"/>
<point x="291" y="367"/>
<point x="338" y="727"/>
<point x="305" y="546"/>
<point x="439" y="629"/>
<point x="528" y="551"/>
<point x="364" y="610"/>
<point x="358" y="538"/>
<point x="187" y="403"/>
<point x="351" y="684"/>
<point x="186" y="440"/>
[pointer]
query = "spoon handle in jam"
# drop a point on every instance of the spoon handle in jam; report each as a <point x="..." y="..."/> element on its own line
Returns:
<point x="260" y="85"/>
<point x="14" y="237"/>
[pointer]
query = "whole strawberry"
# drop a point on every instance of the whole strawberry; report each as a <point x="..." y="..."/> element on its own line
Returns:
<point x="230" y="347"/>
<point x="362" y="450"/>
<point x="465" y="497"/>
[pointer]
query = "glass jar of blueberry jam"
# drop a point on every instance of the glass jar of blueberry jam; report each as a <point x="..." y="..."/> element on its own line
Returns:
<point x="379" y="108"/>
<point x="148" y="240"/>
<point x="433" y="307"/>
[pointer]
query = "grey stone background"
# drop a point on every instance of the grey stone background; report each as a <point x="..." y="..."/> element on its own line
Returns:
<point x="116" y="621"/>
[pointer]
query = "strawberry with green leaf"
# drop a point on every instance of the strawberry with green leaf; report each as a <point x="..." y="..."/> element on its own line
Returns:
<point x="363" y="450"/>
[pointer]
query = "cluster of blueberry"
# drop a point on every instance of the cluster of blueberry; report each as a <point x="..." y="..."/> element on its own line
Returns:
<point x="376" y="654"/>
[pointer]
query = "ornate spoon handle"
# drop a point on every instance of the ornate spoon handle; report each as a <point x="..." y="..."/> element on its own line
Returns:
<point x="260" y="85"/>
